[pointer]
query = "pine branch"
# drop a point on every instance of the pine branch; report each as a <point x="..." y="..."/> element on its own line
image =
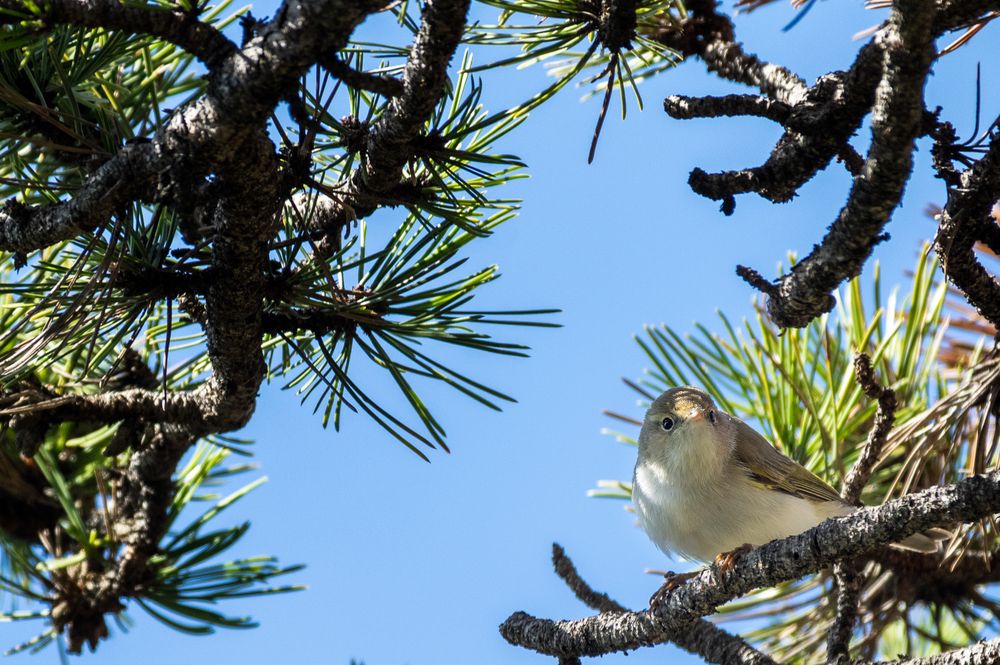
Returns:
<point x="389" y="144"/>
<point x="177" y="407"/>
<point x="177" y="27"/>
<point x="147" y="490"/>
<point x="819" y="123"/>
<point x="981" y="653"/>
<point x="832" y="541"/>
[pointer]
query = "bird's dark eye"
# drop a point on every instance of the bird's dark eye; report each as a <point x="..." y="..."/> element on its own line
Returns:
<point x="667" y="424"/>
<point x="711" y="417"/>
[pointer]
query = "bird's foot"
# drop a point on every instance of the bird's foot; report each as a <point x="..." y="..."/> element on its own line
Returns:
<point x="671" y="581"/>
<point x="727" y="560"/>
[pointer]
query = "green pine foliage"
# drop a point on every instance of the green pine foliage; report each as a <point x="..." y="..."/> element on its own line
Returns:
<point x="390" y="296"/>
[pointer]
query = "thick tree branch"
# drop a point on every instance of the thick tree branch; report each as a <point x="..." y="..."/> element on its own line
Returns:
<point x="820" y="122"/>
<point x="834" y="540"/>
<point x="244" y="89"/>
<point x="185" y="30"/>
<point x="424" y="78"/>
<point x="246" y="220"/>
<point x="223" y="132"/>
<point x="180" y="407"/>
<point x="958" y="14"/>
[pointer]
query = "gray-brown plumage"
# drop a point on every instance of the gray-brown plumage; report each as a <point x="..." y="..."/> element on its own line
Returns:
<point x="705" y="483"/>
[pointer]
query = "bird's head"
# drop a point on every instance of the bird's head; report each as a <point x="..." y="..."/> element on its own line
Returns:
<point x="685" y="433"/>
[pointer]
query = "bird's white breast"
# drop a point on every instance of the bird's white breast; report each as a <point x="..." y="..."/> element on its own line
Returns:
<point x="702" y="515"/>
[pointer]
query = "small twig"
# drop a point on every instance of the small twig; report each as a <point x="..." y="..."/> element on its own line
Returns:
<point x="610" y="86"/>
<point x="858" y="476"/>
<point x="756" y="280"/>
<point x="567" y="573"/>
<point x="380" y="84"/>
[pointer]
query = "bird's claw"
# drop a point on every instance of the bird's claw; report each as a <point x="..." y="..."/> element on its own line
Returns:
<point x="671" y="581"/>
<point x="727" y="560"/>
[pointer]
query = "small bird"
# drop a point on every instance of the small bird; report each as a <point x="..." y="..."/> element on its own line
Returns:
<point x="707" y="485"/>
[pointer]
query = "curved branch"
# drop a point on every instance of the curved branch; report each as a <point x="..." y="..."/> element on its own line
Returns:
<point x="197" y="38"/>
<point x="144" y="500"/>
<point x="804" y="293"/>
<point x="964" y="220"/>
<point x="817" y="130"/>
<point x="834" y="540"/>
<point x="129" y="175"/>
<point x="859" y="474"/>
<point x="709" y="35"/>
<point x="821" y="121"/>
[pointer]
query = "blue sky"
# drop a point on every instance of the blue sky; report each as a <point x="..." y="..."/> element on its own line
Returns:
<point x="409" y="562"/>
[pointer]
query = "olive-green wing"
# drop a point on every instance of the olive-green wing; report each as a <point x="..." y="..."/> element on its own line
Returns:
<point x="768" y="467"/>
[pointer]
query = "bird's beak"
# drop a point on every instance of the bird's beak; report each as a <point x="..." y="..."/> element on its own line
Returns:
<point x="701" y="416"/>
